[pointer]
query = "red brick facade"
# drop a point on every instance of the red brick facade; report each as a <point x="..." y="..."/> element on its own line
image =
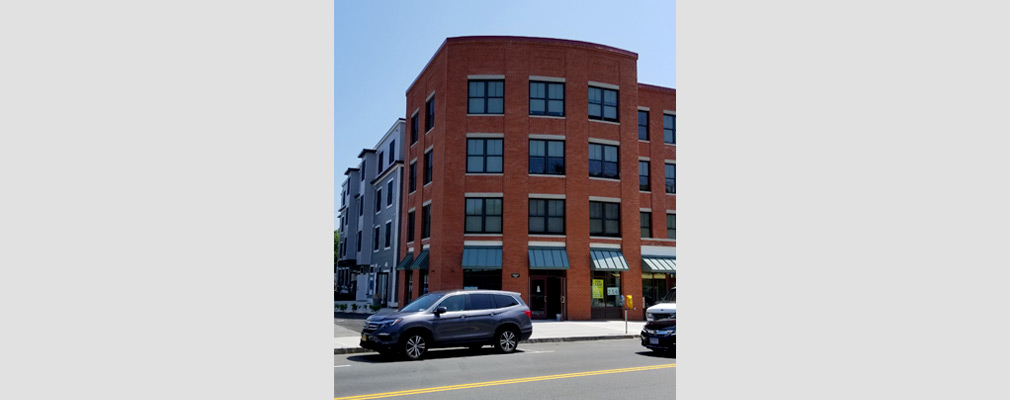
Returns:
<point x="517" y="59"/>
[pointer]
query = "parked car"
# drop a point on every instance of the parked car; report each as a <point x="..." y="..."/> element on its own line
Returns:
<point x="660" y="332"/>
<point x="459" y="318"/>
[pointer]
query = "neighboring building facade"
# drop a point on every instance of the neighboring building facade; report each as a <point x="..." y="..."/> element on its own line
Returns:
<point x="539" y="166"/>
<point x="370" y="201"/>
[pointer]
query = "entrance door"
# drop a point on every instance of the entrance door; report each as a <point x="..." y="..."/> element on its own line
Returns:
<point x="555" y="290"/>
<point x="538" y="297"/>
<point x="547" y="293"/>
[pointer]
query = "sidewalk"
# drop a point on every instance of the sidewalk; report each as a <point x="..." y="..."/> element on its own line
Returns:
<point x="346" y="341"/>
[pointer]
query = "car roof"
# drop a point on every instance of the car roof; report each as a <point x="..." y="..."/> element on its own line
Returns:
<point x="489" y="291"/>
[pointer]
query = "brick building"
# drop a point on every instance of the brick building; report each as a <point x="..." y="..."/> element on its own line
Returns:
<point x="539" y="166"/>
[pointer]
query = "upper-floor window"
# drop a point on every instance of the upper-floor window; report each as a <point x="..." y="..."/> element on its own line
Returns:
<point x="669" y="128"/>
<point x="645" y="221"/>
<point x="428" y="166"/>
<point x="375" y="239"/>
<point x="389" y="230"/>
<point x="410" y="226"/>
<point x="547" y="216"/>
<point x="643" y="176"/>
<point x="604" y="218"/>
<point x="671" y="178"/>
<point x="389" y="193"/>
<point x="426" y="221"/>
<point x="378" y="200"/>
<point x="380" y="164"/>
<point x="603" y="161"/>
<point x="483" y="215"/>
<point x="547" y="157"/>
<point x="413" y="177"/>
<point x="361" y="208"/>
<point x="413" y="129"/>
<point x="392" y="151"/>
<point x="486" y="97"/>
<point x="602" y="104"/>
<point x="429" y="114"/>
<point x="671" y="226"/>
<point x="359" y="241"/>
<point x="547" y="98"/>
<point x="484" y="155"/>
<point x="363" y="163"/>
<point x="643" y="125"/>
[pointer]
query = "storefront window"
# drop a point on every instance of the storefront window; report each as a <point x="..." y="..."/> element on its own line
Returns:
<point x="477" y="279"/>
<point x="606" y="289"/>
<point x="653" y="287"/>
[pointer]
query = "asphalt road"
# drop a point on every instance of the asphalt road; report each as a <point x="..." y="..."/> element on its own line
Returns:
<point x="604" y="369"/>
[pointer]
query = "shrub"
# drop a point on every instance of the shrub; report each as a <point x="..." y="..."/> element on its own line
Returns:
<point x="375" y="307"/>
<point x="354" y="307"/>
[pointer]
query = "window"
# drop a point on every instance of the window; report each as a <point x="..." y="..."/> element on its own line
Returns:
<point x="669" y="129"/>
<point x="671" y="178"/>
<point x="603" y="161"/>
<point x="547" y="157"/>
<point x="379" y="165"/>
<point x="410" y="226"/>
<point x="486" y="97"/>
<point x="427" y="167"/>
<point x="392" y="151"/>
<point x="547" y="98"/>
<point x="502" y="301"/>
<point x="646" y="223"/>
<point x="413" y="129"/>
<point x="643" y="176"/>
<point x="671" y="226"/>
<point x="547" y="216"/>
<point x="389" y="193"/>
<point x="361" y="207"/>
<point x="378" y="200"/>
<point x="610" y="280"/>
<point x="602" y="104"/>
<point x="359" y="241"/>
<point x="484" y="155"/>
<point x="429" y="115"/>
<point x="375" y="239"/>
<point x="643" y="125"/>
<point x="389" y="232"/>
<point x="483" y="215"/>
<point x="363" y="162"/>
<point x="413" y="177"/>
<point x="604" y="219"/>
<point x="426" y="221"/>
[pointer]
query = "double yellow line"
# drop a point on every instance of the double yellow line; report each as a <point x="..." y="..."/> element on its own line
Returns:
<point x="502" y="382"/>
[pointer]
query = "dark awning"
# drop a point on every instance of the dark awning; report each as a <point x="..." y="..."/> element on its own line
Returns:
<point x="659" y="264"/>
<point x="421" y="262"/>
<point x="548" y="258"/>
<point x="405" y="263"/>
<point x="481" y="257"/>
<point x="608" y="260"/>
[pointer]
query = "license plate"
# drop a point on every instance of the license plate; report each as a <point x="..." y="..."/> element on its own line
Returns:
<point x="651" y="340"/>
<point x="364" y="337"/>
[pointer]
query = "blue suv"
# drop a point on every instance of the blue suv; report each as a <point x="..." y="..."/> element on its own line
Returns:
<point x="460" y="318"/>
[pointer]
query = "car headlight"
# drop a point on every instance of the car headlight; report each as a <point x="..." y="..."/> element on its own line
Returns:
<point x="390" y="323"/>
<point x="650" y="317"/>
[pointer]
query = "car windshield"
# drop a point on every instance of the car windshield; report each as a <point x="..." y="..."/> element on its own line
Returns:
<point x="671" y="297"/>
<point x="422" y="303"/>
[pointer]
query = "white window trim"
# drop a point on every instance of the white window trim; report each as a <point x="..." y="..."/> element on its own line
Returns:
<point x="546" y="175"/>
<point x="476" y="194"/>
<point x="640" y="158"/>
<point x="426" y="246"/>
<point x="412" y="209"/>
<point x="416" y="111"/>
<point x="604" y="141"/>
<point x="659" y="251"/>
<point x="645" y="210"/>
<point x="604" y="122"/>
<point x="594" y="245"/>
<point x="479" y="135"/>
<point x="428" y="98"/>
<point x="486" y="115"/>
<point x="604" y="179"/>
<point x="482" y="243"/>
<point x="485" y="77"/>
<point x="605" y="199"/>
<point x="546" y="244"/>
<point x="484" y="174"/>
<point x="546" y="196"/>
<point x="425" y="203"/>
<point x="669" y="112"/>
<point x="602" y="85"/>
<point x="428" y="150"/>
<point x="671" y="212"/>
<point x="547" y="79"/>
<point x="670" y="161"/>
<point x="640" y="108"/>
<point x="548" y="116"/>
<point x="537" y="136"/>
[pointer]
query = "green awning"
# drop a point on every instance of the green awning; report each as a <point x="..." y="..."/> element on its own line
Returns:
<point x="405" y="263"/>
<point x="659" y="264"/>
<point x="421" y="262"/>
<point x="481" y="257"/>
<point x="608" y="260"/>
<point x="548" y="258"/>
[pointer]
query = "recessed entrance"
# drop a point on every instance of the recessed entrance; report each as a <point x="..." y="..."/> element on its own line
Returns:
<point x="547" y="294"/>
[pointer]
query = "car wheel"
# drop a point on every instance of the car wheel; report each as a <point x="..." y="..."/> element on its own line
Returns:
<point x="415" y="346"/>
<point x="506" y="341"/>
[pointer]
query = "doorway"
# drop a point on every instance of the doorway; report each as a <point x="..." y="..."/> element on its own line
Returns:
<point x="547" y="294"/>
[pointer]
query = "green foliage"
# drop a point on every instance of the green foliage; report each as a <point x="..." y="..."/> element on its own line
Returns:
<point x="336" y="246"/>
<point x="354" y="307"/>
<point x="342" y="307"/>
<point x="375" y="307"/>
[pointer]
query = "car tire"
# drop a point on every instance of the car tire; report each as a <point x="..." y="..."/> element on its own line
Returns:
<point x="414" y="346"/>
<point x="506" y="340"/>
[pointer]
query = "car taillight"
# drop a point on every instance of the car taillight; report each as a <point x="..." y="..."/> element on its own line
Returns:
<point x="528" y="314"/>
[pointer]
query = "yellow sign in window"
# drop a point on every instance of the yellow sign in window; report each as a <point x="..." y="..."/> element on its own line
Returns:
<point x="597" y="288"/>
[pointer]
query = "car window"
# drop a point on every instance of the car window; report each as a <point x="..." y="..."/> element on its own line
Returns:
<point x="454" y="303"/>
<point x="502" y="301"/>
<point x="480" y="301"/>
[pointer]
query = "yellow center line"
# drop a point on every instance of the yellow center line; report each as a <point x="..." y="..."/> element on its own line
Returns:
<point x="502" y="382"/>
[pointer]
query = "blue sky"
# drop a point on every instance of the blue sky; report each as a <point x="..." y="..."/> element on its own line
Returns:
<point x="381" y="46"/>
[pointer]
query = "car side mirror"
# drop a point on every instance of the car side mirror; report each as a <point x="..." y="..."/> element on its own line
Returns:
<point x="440" y="310"/>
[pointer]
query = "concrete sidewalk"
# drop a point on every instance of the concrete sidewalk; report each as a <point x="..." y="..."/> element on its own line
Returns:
<point x="346" y="341"/>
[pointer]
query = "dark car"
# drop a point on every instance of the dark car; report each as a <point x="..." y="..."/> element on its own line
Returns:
<point x="461" y="318"/>
<point x="660" y="335"/>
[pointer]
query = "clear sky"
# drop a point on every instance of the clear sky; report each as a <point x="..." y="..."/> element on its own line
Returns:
<point x="381" y="46"/>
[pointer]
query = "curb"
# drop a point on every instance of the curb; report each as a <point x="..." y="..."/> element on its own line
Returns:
<point x="355" y="350"/>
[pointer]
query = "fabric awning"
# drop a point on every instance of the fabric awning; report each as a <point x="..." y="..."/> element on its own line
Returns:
<point x="548" y="258"/>
<point x="608" y="260"/>
<point x="481" y="257"/>
<point x="659" y="264"/>
<point x="421" y="262"/>
<point x="405" y="263"/>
